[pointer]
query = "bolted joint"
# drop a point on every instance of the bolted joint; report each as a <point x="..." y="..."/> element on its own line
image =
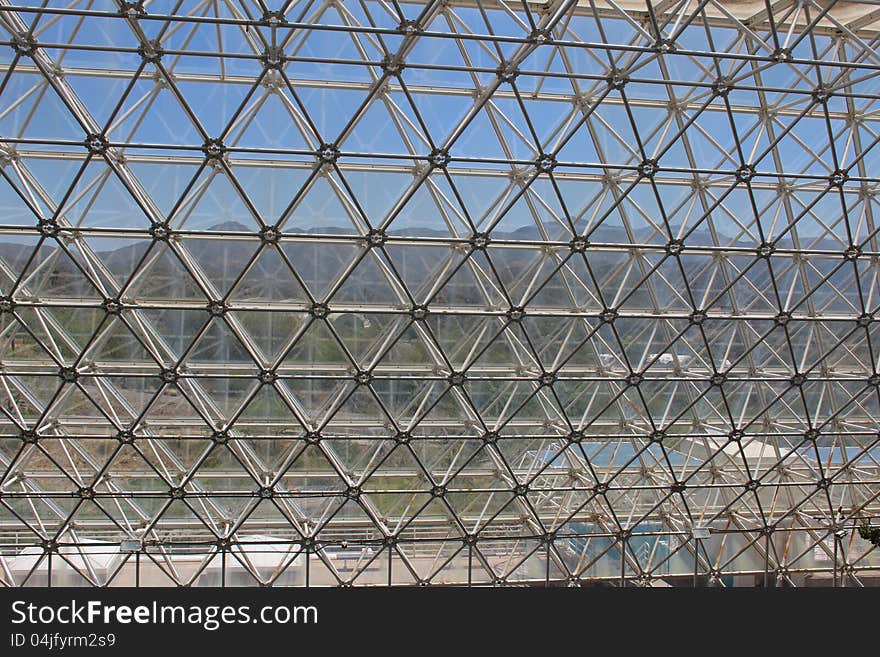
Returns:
<point x="736" y="435"/>
<point x="862" y="320"/>
<point x="698" y="317"/>
<point x="313" y="437"/>
<point x="217" y="308"/>
<point x="812" y="435"/>
<point x="220" y="437"/>
<point x="327" y="153"/>
<point x="419" y="312"/>
<point x="507" y="72"/>
<point x="470" y="539"/>
<point x="752" y="485"/>
<point x="48" y="228"/>
<point x="575" y="437"/>
<point x="49" y="545"/>
<point x="438" y="491"/>
<point x="96" y="144"/>
<point x="658" y="436"/>
<point x="717" y="380"/>
<point x="273" y="58"/>
<point x="112" y="306"/>
<point x="608" y="316"/>
<point x="665" y="46"/>
<point x="874" y="380"/>
<point x="634" y="380"/>
<point x="402" y="438"/>
<point x="600" y="488"/>
<point x="176" y="493"/>
<point x="319" y="310"/>
<point x="516" y="313"/>
<point x="125" y="437"/>
<point x="390" y="541"/>
<point x="25" y="45"/>
<point x="160" y="231"/>
<point x="548" y="538"/>
<point x="781" y="55"/>
<point x="479" y="241"/>
<point x="798" y="380"/>
<point x="393" y="64"/>
<point x="678" y="487"/>
<point x="490" y="437"/>
<point x="439" y="158"/>
<point x="824" y="483"/>
<point x="765" y="250"/>
<point x="214" y="149"/>
<point x="273" y="19"/>
<point x="132" y="10"/>
<point x="521" y="490"/>
<point x="363" y="378"/>
<point x="545" y="162"/>
<point x="838" y="178"/>
<point x="29" y="437"/>
<point x="169" y="375"/>
<point x="7" y="304"/>
<point x="648" y="168"/>
<point x="376" y="237"/>
<point x="266" y="492"/>
<point x="151" y="51"/>
<point x="579" y="244"/>
<point x="457" y="379"/>
<point x="86" y="493"/>
<point x="269" y="234"/>
<point x="821" y="94"/>
<point x="674" y="247"/>
<point x="547" y="379"/>
<point x="68" y="374"/>
<point x="409" y="27"/>
<point x="268" y="377"/>
<point x="745" y="173"/>
<point x="852" y="252"/>
<point x="540" y="35"/>
<point x="722" y="86"/>
<point x="617" y="79"/>
<point x="782" y="318"/>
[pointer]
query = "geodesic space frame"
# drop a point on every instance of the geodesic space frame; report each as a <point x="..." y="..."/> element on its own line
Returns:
<point x="487" y="293"/>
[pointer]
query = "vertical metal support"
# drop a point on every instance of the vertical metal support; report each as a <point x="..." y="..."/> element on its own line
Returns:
<point x="834" y="581"/>
<point x="390" y="562"/>
<point x="767" y="561"/>
<point x="308" y="553"/>
<point x="547" y="566"/>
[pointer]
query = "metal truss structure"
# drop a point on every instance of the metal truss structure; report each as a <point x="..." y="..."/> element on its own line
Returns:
<point x="447" y="292"/>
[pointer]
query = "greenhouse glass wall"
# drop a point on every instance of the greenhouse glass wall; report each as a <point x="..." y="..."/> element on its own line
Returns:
<point x="478" y="292"/>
